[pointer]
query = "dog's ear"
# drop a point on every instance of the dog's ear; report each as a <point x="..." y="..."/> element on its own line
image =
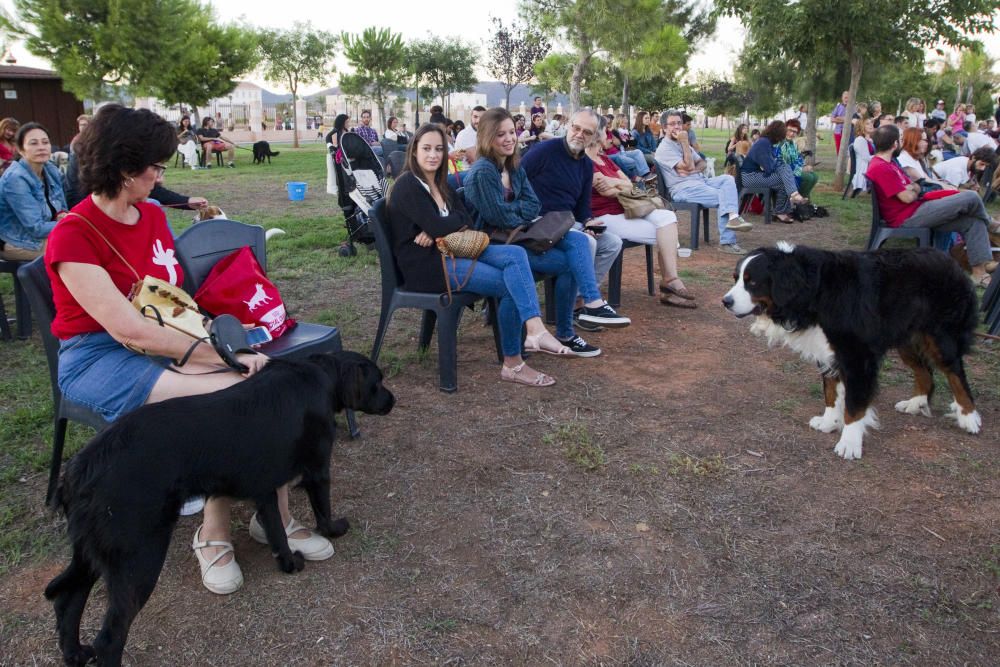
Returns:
<point x="793" y="279"/>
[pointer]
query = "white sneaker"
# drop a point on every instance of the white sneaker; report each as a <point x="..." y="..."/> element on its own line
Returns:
<point x="220" y="579"/>
<point x="738" y="224"/>
<point x="314" y="547"/>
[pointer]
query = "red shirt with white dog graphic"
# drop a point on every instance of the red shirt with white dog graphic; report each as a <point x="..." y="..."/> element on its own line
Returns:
<point x="147" y="245"/>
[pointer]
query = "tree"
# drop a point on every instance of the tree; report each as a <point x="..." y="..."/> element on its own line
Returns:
<point x="379" y="61"/>
<point x="512" y="53"/>
<point x="811" y="35"/>
<point x="297" y="56"/>
<point x="442" y="66"/>
<point x="141" y="47"/>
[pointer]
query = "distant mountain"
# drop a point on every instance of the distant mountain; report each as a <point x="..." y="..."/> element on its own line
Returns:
<point x="267" y="97"/>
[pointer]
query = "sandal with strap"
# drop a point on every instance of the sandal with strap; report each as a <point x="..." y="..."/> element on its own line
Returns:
<point x="676" y="302"/>
<point x="513" y="374"/>
<point x="220" y="579"/>
<point x="796" y="198"/>
<point x="534" y="344"/>
<point x="682" y="292"/>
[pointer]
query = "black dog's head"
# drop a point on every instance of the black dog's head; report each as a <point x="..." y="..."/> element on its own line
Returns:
<point x="357" y="383"/>
<point x="779" y="282"/>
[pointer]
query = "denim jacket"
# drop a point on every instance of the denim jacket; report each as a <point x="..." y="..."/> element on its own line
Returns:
<point x="25" y="217"/>
<point x="484" y="195"/>
<point x="645" y="142"/>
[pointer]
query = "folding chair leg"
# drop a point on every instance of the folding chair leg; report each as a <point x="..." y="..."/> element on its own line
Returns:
<point x="615" y="281"/>
<point x="695" y="215"/>
<point x="427" y="329"/>
<point x="4" y="324"/>
<point x="383" y="326"/>
<point x="550" y="300"/>
<point x="495" y="325"/>
<point x="58" y="440"/>
<point x="23" y="310"/>
<point x="448" y="350"/>
<point x="706" y="217"/>
<point x="352" y="424"/>
<point x="650" y="287"/>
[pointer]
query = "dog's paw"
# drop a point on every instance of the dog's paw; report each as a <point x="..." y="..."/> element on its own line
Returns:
<point x="972" y="422"/>
<point x="334" y="529"/>
<point x="827" y="422"/>
<point x="850" y="443"/>
<point x="294" y="562"/>
<point x="915" y="406"/>
<point x="80" y="656"/>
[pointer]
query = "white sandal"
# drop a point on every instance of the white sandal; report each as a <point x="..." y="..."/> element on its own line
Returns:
<point x="513" y="374"/>
<point x="220" y="579"/>
<point x="314" y="547"/>
<point x="534" y="344"/>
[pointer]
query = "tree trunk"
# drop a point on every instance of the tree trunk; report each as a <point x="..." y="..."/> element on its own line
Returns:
<point x="625" y="92"/>
<point x="576" y="82"/>
<point x="968" y="95"/>
<point x="958" y="94"/>
<point x="295" y="130"/>
<point x="857" y="64"/>
<point x="811" y="125"/>
<point x="506" y="104"/>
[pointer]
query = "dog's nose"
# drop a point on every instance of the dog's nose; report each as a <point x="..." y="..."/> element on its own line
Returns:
<point x="727" y="301"/>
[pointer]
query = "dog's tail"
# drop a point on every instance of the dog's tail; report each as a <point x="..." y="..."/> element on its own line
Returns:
<point x="274" y="231"/>
<point x="274" y="153"/>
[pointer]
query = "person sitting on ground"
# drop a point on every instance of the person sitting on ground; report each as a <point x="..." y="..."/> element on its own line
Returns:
<point x="212" y="142"/>
<point x="8" y="142"/>
<point x="556" y="126"/>
<point x="762" y="168"/>
<point x="644" y="138"/>
<point x="913" y="159"/>
<point x="976" y="139"/>
<point x="187" y="141"/>
<point x="31" y="196"/>
<point x="684" y="169"/>
<point x="392" y="131"/>
<point x="535" y="133"/>
<point x="957" y="118"/>
<point x="965" y="172"/>
<point x="946" y="143"/>
<point x="805" y="177"/>
<point x="863" y="151"/>
<point x="423" y="208"/>
<point x="658" y="228"/>
<point x="902" y="204"/>
<point x="500" y="197"/>
<point x="970" y="113"/>
<point x="915" y="112"/>
<point x="93" y="257"/>
<point x="561" y="176"/>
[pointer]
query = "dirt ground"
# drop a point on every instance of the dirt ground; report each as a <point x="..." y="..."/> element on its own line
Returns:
<point x="664" y="504"/>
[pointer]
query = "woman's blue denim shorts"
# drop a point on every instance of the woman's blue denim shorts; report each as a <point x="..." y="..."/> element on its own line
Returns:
<point x="97" y="371"/>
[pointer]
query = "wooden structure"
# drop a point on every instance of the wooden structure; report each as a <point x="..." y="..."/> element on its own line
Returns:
<point x="30" y="94"/>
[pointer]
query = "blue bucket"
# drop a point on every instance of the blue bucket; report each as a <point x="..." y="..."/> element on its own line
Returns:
<point x="296" y="190"/>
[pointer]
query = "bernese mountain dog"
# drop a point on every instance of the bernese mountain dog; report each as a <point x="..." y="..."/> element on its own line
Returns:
<point x="845" y="310"/>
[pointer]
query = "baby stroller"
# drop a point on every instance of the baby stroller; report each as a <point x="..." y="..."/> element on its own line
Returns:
<point x="360" y="182"/>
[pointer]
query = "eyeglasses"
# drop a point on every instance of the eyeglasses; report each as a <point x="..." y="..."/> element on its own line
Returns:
<point x="576" y="129"/>
<point x="160" y="168"/>
<point x="674" y="123"/>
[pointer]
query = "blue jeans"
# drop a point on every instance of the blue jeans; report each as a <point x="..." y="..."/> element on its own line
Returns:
<point x="637" y="159"/>
<point x="711" y="193"/>
<point x="572" y="263"/>
<point x="626" y="165"/>
<point x="502" y="271"/>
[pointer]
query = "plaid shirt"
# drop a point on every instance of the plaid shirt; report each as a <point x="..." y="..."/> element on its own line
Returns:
<point x="367" y="133"/>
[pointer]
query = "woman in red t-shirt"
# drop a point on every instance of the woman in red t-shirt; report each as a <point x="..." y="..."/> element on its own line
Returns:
<point x="94" y="255"/>
<point x="659" y="228"/>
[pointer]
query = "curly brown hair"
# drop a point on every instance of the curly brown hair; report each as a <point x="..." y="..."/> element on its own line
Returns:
<point x="121" y="142"/>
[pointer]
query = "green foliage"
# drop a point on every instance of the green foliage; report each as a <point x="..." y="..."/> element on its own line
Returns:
<point x="512" y="54"/>
<point x="441" y="66"/>
<point x="379" y="61"/>
<point x="720" y="97"/>
<point x="550" y="74"/>
<point x="143" y="47"/>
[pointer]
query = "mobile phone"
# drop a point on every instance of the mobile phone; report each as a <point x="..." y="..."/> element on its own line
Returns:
<point x="258" y="336"/>
<point x="597" y="229"/>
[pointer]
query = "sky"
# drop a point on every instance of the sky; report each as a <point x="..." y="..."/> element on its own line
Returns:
<point x="415" y="19"/>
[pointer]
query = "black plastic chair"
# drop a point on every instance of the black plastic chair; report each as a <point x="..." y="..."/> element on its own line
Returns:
<point x="881" y="232"/>
<point x="437" y="309"/>
<point x="990" y="305"/>
<point x="615" y="274"/>
<point x="850" y="177"/>
<point x="765" y="192"/>
<point x="397" y="159"/>
<point x="200" y="246"/>
<point x="696" y="211"/>
<point x="36" y="284"/>
<point x="21" y="304"/>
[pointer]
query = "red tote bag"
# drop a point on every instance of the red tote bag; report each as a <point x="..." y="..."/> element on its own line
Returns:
<point x="238" y="286"/>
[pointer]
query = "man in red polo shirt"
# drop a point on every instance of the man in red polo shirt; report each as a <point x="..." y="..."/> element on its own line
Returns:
<point x="902" y="205"/>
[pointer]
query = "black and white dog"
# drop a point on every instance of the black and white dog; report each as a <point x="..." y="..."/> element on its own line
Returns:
<point x="262" y="151"/>
<point x="845" y="310"/>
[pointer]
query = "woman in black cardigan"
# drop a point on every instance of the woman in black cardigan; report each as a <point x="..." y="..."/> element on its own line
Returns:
<point x="422" y="208"/>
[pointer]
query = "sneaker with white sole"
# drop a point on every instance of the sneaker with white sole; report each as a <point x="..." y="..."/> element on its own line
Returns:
<point x="604" y="315"/>
<point x="584" y="326"/>
<point x="580" y="347"/>
<point x="738" y="224"/>
<point x="732" y="249"/>
<point x="314" y="547"/>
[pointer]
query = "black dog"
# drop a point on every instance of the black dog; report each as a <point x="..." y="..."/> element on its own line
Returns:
<point x="261" y="151"/>
<point x="122" y="492"/>
<point x="845" y="310"/>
